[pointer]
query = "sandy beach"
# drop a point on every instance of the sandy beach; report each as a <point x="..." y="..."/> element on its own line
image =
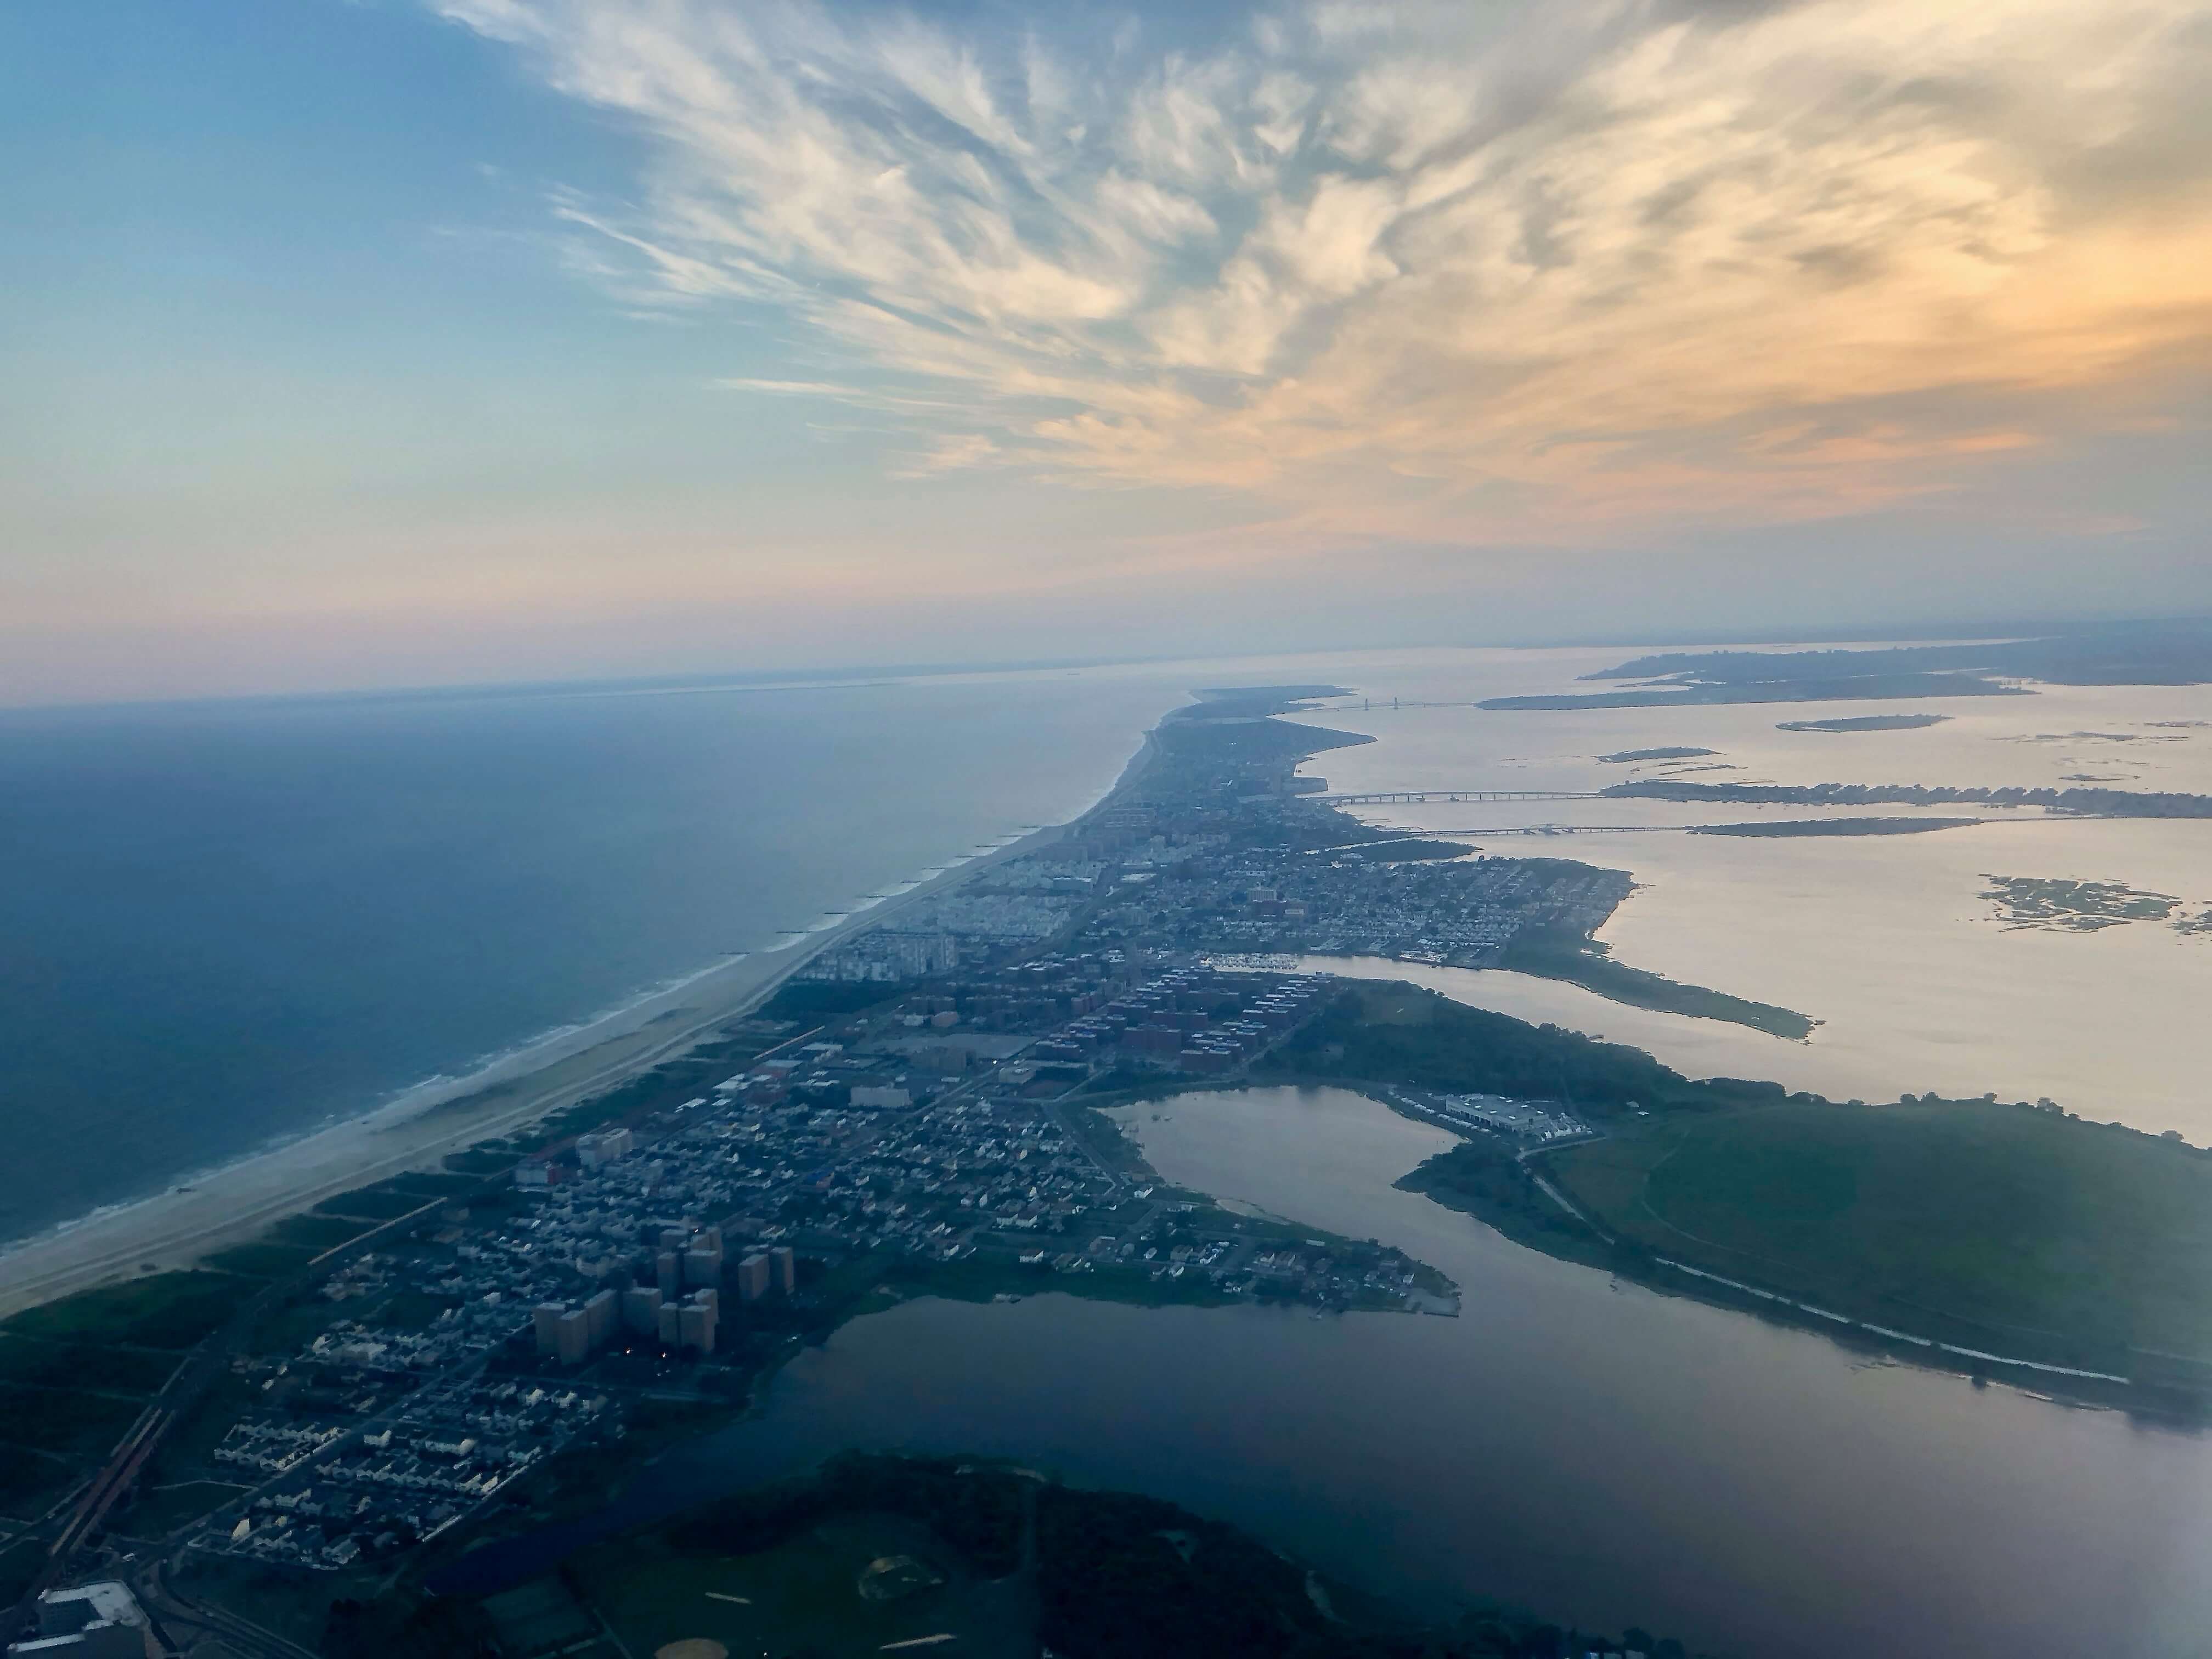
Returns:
<point x="231" y="1204"/>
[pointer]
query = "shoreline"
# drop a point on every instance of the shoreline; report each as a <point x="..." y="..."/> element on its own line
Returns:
<point x="2069" y="1385"/>
<point x="234" y="1202"/>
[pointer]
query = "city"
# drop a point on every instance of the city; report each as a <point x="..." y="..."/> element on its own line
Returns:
<point x="913" y="1113"/>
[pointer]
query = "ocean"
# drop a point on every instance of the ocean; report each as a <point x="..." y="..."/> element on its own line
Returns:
<point x="225" y="924"/>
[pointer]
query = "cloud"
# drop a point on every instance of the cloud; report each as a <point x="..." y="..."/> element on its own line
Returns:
<point x="954" y="453"/>
<point x="1430" y="270"/>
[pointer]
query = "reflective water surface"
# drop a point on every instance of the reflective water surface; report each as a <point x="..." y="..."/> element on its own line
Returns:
<point x="1888" y="940"/>
<point x="1587" y="1448"/>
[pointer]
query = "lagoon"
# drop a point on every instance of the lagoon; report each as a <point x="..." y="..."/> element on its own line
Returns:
<point x="1588" y="1448"/>
<point x="1889" y="941"/>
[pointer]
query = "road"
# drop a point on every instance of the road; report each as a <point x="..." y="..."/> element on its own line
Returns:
<point x="81" y="1521"/>
<point x="173" y="1610"/>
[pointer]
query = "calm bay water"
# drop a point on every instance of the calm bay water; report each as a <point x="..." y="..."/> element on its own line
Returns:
<point x="222" y="923"/>
<point x="1595" y="1450"/>
<point x="1888" y="941"/>
<point x="1592" y="1450"/>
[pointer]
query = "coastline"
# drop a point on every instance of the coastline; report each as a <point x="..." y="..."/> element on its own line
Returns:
<point x="234" y="1203"/>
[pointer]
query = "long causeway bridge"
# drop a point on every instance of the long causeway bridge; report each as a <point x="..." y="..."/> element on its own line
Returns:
<point x="1415" y="796"/>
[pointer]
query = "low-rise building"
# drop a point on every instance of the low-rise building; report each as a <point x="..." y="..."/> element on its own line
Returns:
<point x="93" y="1621"/>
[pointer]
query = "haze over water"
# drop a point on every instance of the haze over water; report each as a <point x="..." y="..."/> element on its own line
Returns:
<point x="256" y="915"/>
<point x="355" y="348"/>
<point x="1889" y="941"/>
<point x="1571" y="1444"/>
<point x="1592" y="1448"/>
<point x="226" y="922"/>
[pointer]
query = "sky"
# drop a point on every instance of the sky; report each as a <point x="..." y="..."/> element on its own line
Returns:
<point x="351" y="343"/>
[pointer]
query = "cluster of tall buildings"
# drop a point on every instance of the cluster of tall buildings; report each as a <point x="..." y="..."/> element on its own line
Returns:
<point x="688" y="1323"/>
<point x="681" y="1308"/>
<point x="766" y="1270"/>
<point x="688" y="1259"/>
<point x="574" y="1334"/>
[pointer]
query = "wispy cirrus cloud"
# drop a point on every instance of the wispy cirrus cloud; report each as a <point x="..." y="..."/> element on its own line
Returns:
<point x="1426" y="269"/>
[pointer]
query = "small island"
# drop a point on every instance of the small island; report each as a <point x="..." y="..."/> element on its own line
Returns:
<point x="2133" y="654"/>
<point x="446" y="1360"/>
<point x="1693" y="690"/>
<point x="1866" y="723"/>
<point x="1787" y="829"/>
<point x="2056" y="905"/>
<point x="1627" y="755"/>
<point x="2099" y="803"/>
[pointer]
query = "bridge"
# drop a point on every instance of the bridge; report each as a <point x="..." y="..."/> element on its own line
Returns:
<point x="1549" y="830"/>
<point x="1403" y="797"/>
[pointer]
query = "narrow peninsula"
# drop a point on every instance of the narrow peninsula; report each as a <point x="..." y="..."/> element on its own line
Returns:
<point x="341" y="1426"/>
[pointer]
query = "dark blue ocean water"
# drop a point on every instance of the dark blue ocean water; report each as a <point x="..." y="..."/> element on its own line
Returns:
<point x="222" y="923"/>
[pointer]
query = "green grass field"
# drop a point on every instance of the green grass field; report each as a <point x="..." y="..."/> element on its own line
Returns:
<point x="61" y="1404"/>
<point x="2042" y="1236"/>
<point x="19" y="1565"/>
<point x="72" y="1423"/>
<point x="82" y="1365"/>
<point x="378" y="1203"/>
<point x="261" y="1260"/>
<point x="162" y="1310"/>
<point x="30" y="1480"/>
<point x="317" y="1233"/>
